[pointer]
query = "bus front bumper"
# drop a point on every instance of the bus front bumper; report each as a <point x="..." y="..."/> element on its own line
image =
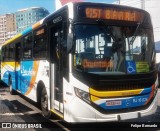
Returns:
<point x="80" y="111"/>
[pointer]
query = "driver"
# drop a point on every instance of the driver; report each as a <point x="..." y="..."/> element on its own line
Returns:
<point x="118" y="49"/>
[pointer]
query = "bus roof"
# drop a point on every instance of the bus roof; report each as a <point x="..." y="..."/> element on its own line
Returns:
<point x="39" y="23"/>
<point x="24" y="32"/>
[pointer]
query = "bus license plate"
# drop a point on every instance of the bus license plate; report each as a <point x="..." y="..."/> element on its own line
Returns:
<point x="113" y="103"/>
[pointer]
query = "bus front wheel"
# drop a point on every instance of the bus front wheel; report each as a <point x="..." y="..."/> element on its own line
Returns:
<point x="44" y="104"/>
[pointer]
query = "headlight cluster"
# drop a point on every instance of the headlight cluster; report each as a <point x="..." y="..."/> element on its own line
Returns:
<point x="82" y="95"/>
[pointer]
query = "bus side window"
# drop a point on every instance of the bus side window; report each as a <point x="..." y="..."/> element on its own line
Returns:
<point x="11" y="52"/>
<point x="27" y="46"/>
<point x="2" y="54"/>
<point x="6" y="53"/>
<point x="17" y="51"/>
<point x="40" y="43"/>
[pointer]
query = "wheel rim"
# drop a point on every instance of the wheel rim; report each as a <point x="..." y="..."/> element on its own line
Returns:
<point x="44" y="102"/>
<point x="44" y="105"/>
<point x="10" y="85"/>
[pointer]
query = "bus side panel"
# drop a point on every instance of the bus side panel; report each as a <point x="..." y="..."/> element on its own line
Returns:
<point x="43" y="76"/>
<point x="73" y="106"/>
<point x="27" y="71"/>
<point x="8" y="70"/>
<point x="32" y="73"/>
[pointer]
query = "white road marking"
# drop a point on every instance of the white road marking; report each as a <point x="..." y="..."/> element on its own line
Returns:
<point x="11" y="114"/>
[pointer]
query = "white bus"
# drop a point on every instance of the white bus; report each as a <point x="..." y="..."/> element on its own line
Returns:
<point x="86" y="62"/>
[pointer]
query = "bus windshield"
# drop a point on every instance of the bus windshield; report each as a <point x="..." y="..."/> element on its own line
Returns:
<point x="104" y="50"/>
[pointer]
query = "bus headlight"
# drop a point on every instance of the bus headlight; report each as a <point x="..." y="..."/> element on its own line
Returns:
<point x="82" y="95"/>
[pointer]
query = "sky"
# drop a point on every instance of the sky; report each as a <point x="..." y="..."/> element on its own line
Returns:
<point x="12" y="6"/>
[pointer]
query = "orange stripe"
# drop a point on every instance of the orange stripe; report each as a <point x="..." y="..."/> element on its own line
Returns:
<point x="151" y="95"/>
<point x="36" y="25"/>
<point x="34" y="75"/>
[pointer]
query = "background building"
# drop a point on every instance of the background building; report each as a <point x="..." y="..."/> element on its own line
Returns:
<point x="2" y="29"/>
<point x="7" y="27"/>
<point x="29" y="16"/>
<point x="60" y="3"/>
<point x="10" y="26"/>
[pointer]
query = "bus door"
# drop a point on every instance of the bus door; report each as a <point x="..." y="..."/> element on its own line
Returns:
<point x="57" y="54"/>
<point x="17" y="66"/>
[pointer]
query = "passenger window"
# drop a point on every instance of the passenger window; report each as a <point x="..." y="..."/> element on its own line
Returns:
<point x="40" y="44"/>
<point x="27" y="48"/>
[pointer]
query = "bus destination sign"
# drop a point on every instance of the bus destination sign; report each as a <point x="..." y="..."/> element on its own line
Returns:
<point x="112" y="14"/>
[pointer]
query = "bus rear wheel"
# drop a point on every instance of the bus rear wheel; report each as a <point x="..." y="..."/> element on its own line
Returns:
<point x="44" y="104"/>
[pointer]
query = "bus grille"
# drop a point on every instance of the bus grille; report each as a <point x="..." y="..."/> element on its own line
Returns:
<point x="117" y="86"/>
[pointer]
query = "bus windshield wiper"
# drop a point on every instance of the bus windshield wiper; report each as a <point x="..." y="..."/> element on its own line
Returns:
<point x="135" y="33"/>
<point x="137" y="28"/>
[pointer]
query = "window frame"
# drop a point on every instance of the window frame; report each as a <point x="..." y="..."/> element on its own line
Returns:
<point x="44" y="44"/>
<point x="29" y="48"/>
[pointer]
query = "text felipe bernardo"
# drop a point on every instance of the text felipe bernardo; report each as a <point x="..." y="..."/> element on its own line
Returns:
<point x="144" y="125"/>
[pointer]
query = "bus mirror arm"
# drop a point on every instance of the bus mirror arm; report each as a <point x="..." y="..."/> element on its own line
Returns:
<point x="69" y="42"/>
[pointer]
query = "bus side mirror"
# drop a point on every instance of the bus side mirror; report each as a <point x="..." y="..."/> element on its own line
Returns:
<point x="69" y="42"/>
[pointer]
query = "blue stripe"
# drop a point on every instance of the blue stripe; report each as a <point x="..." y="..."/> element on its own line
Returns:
<point x="146" y="90"/>
<point x="27" y="30"/>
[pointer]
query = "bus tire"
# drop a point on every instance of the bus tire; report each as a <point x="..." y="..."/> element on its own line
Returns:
<point x="12" y="92"/>
<point x="44" y="104"/>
